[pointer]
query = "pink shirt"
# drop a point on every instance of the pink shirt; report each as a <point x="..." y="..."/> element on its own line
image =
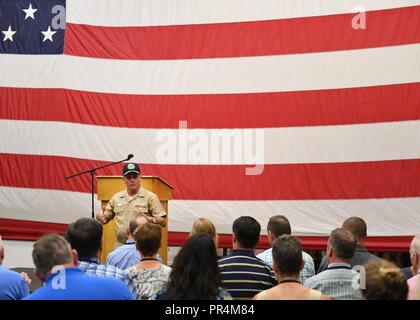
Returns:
<point x="413" y="287"/>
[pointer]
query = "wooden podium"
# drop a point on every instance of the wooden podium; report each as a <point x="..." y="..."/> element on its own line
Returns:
<point x="110" y="185"/>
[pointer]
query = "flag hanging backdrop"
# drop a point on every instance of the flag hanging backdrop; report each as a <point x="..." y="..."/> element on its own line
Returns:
<point x="339" y="108"/>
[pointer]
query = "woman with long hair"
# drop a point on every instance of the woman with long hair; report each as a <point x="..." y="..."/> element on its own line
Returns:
<point x="195" y="274"/>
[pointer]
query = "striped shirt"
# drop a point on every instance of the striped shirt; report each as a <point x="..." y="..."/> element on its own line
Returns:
<point x="244" y="275"/>
<point x="93" y="267"/>
<point x="307" y="271"/>
<point x="337" y="282"/>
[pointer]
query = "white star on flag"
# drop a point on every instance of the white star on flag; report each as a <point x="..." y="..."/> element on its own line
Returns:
<point x="48" y="34"/>
<point x="8" y="34"/>
<point x="30" y="12"/>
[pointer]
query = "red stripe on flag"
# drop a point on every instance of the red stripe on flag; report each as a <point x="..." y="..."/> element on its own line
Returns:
<point x="259" y="38"/>
<point x="12" y="229"/>
<point x="254" y="110"/>
<point x="358" y="180"/>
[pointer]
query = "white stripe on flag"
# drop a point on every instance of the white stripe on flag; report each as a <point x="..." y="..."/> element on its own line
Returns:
<point x="322" y="144"/>
<point x="326" y="70"/>
<point x="307" y="217"/>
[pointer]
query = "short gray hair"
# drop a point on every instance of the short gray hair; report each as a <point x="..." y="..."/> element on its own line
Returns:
<point x="49" y="251"/>
<point x="415" y="244"/>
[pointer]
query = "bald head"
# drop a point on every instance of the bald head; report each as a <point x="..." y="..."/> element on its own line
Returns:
<point x="357" y="226"/>
<point x="135" y="222"/>
<point x="415" y="245"/>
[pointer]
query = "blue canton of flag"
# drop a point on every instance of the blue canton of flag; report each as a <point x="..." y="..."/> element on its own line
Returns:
<point x="32" y="26"/>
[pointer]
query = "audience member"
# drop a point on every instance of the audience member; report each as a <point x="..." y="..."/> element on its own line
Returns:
<point x="195" y="274"/>
<point x="205" y="226"/>
<point x="55" y="265"/>
<point x="384" y="281"/>
<point x="85" y="236"/>
<point x="414" y="282"/>
<point x="357" y="226"/>
<point x="339" y="281"/>
<point x="288" y="263"/>
<point x="243" y="274"/>
<point x="276" y="227"/>
<point x="13" y="285"/>
<point x="149" y="275"/>
<point x="127" y="255"/>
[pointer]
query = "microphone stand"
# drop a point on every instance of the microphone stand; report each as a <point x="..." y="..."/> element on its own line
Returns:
<point x="92" y="174"/>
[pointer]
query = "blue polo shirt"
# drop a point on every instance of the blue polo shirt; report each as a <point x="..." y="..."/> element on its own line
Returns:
<point x="12" y="285"/>
<point x="74" y="284"/>
<point x="124" y="256"/>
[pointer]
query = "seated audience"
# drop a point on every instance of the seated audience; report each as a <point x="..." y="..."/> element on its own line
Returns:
<point x="357" y="226"/>
<point x="243" y="274"/>
<point x="205" y="226"/>
<point x="195" y="274"/>
<point x="13" y="285"/>
<point x="85" y="236"/>
<point x="288" y="263"/>
<point x="339" y="281"/>
<point x="276" y="227"/>
<point x="414" y="281"/>
<point x="384" y="281"/>
<point x="127" y="255"/>
<point x="56" y="265"/>
<point x="149" y="275"/>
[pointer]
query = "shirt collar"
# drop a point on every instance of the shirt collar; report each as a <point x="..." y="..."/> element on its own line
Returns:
<point x="244" y="252"/>
<point x="338" y="265"/>
<point x="361" y="248"/>
<point x="90" y="260"/>
<point x="67" y="270"/>
<point x="139" y="193"/>
<point x="130" y="242"/>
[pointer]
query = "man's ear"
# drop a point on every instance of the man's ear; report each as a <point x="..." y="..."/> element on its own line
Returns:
<point x="276" y="268"/>
<point x="38" y="275"/>
<point x="270" y="237"/>
<point x="75" y="257"/>
<point x="329" y="252"/>
<point x="302" y="265"/>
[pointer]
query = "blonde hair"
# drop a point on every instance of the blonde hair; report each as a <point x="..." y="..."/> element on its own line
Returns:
<point x="384" y="281"/>
<point x="205" y="226"/>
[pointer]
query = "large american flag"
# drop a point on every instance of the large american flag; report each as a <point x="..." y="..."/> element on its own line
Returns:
<point x="334" y="85"/>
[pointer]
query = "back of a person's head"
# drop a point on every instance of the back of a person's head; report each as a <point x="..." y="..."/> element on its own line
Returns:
<point x="279" y="225"/>
<point x="136" y="221"/>
<point x="357" y="226"/>
<point x="85" y="236"/>
<point x="204" y="226"/>
<point x="342" y="243"/>
<point x="49" y="251"/>
<point x="384" y="281"/>
<point x="247" y="231"/>
<point x="415" y="245"/>
<point x="287" y="255"/>
<point x="195" y="273"/>
<point x="148" y="237"/>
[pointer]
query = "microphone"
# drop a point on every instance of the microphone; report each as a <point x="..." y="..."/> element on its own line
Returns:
<point x="129" y="156"/>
